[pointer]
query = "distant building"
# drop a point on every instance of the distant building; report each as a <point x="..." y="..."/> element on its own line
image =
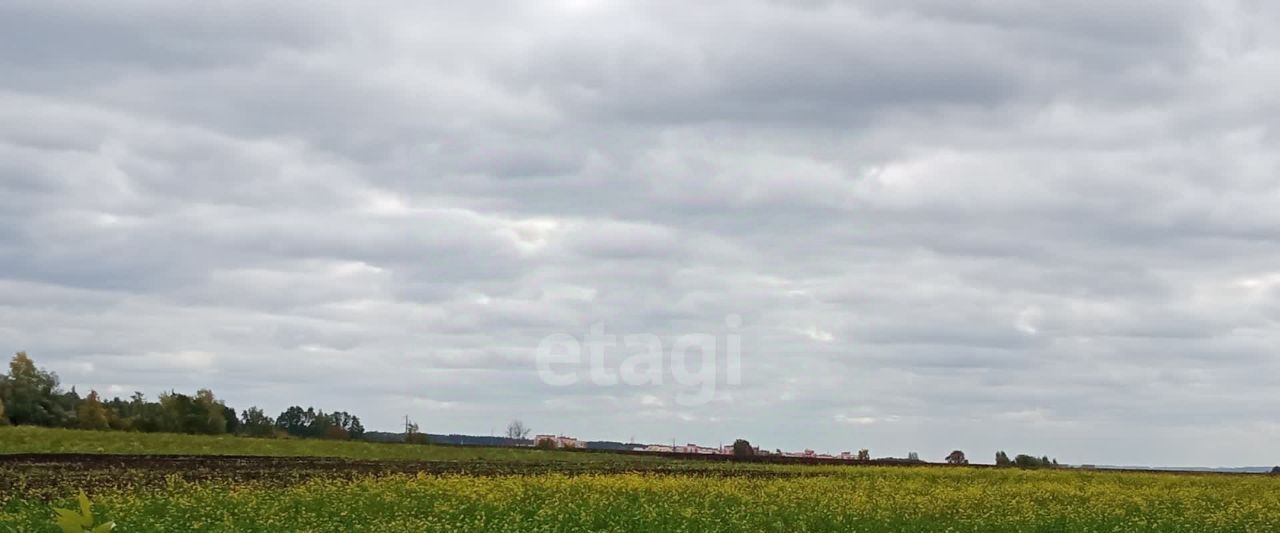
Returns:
<point x="694" y="448"/>
<point x="558" y="441"/>
<point x="727" y="449"/>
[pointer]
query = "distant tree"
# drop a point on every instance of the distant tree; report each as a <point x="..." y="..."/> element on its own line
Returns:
<point x="313" y="423"/>
<point x="413" y="436"/>
<point x="255" y="423"/>
<point x="294" y="421"/>
<point x="956" y="457"/>
<point x="178" y="413"/>
<point x="1275" y="470"/>
<point x="1002" y="459"/>
<point x="864" y="455"/>
<point x="117" y="414"/>
<point x="31" y="396"/>
<point x="348" y="423"/>
<point x="1028" y="461"/>
<point x="516" y="430"/>
<point x="913" y="456"/>
<point x="146" y="416"/>
<point x="742" y="448"/>
<point x="91" y="414"/>
<point x="213" y="411"/>
<point x="199" y="414"/>
<point x="322" y="425"/>
<point x="356" y="429"/>
<point x="67" y="403"/>
<point x="232" y="421"/>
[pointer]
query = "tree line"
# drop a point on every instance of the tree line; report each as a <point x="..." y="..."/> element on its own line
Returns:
<point x="30" y="395"/>
<point x="1025" y="461"/>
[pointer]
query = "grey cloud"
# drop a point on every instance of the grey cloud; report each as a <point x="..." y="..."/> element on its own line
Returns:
<point x="943" y="225"/>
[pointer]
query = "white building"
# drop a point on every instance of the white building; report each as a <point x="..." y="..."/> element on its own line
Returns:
<point x="694" y="448"/>
<point x="558" y="441"/>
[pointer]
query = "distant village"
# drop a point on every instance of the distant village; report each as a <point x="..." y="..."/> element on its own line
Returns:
<point x="561" y="441"/>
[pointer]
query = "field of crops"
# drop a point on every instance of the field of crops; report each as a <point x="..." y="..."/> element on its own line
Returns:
<point x="30" y="439"/>
<point x="836" y="499"/>
<point x="302" y="494"/>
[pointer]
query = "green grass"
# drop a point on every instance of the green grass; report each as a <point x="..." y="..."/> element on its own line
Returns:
<point x="29" y="439"/>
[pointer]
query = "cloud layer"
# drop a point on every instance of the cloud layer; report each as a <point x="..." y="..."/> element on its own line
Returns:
<point x="996" y="226"/>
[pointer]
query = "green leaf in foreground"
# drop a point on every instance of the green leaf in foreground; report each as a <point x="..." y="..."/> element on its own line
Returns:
<point x="79" y="522"/>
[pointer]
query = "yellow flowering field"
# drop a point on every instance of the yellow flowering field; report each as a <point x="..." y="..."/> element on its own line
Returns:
<point x="759" y="498"/>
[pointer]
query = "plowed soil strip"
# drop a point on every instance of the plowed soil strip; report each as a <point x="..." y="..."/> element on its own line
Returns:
<point x="57" y="475"/>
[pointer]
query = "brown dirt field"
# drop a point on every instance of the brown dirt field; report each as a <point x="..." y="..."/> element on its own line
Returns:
<point x="55" y="475"/>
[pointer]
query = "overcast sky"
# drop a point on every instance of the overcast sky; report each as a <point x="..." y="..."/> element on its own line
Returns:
<point x="996" y="226"/>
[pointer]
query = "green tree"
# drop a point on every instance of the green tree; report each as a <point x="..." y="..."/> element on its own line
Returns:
<point x="1002" y="459"/>
<point x="321" y="425"/>
<point x="147" y="416"/>
<point x="313" y="423"/>
<point x="199" y="414"/>
<point x="742" y="448"/>
<point x="293" y="421"/>
<point x="255" y="423"/>
<point x="1028" y="461"/>
<point x="91" y="414"/>
<point x="118" y="414"/>
<point x="213" y="412"/>
<point x="69" y="404"/>
<point x="31" y="395"/>
<point x="348" y="423"/>
<point x="355" y="428"/>
<point x="4" y="420"/>
<point x="232" y="420"/>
